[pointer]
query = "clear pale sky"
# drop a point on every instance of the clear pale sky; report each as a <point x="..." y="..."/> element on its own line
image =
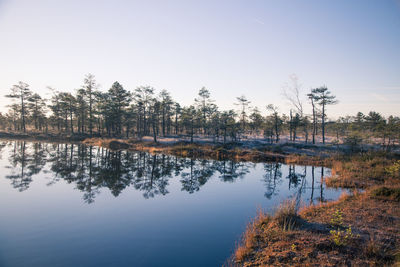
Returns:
<point x="231" y="47"/>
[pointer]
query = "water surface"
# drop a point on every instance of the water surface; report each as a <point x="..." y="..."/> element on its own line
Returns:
<point x="76" y="205"/>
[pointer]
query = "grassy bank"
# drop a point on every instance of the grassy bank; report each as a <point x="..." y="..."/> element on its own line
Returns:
<point x="359" y="229"/>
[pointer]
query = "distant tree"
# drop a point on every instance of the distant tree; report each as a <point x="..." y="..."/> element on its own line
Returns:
<point x="131" y="116"/>
<point x="143" y="97"/>
<point x="90" y="86"/>
<point x="392" y="130"/>
<point x="256" y="121"/>
<point x="189" y="120"/>
<point x="81" y="110"/>
<point x="291" y="91"/>
<point x="177" y="112"/>
<point x="359" y="121"/>
<point x="244" y="103"/>
<point x="269" y="128"/>
<point x="203" y="102"/>
<point x="212" y="111"/>
<point x="228" y="124"/>
<point x="305" y="122"/>
<point x="36" y="106"/>
<point x="277" y="121"/>
<point x="155" y="117"/>
<point x="323" y="97"/>
<point x="215" y="124"/>
<point x="67" y="104"/>
<point x="375" y="121"/>
<point x="22" y="92"/>
<point x="3" y="121"/>
<point x="376" y="124"/>
<point x="119" y="101"/>
<point x="166" y="111"/>
<point x="311" y="97"/>
<point x="13" y="116"/>
<point x="55" y="107"/>
<point x="296" y="122"/>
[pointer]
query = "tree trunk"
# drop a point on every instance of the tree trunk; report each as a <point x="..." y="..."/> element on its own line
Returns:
<point x="323" y="123"/>
<point x="314" y="122"/>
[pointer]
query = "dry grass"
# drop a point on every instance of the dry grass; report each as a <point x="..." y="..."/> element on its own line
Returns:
<point x="266" y="227"/>
<point x="373" y="215"/>
<point x="383" y="192"/>
<point x="286" y="215"/>
<point x="305" y="160"/>
<point x="355" y="171"/>
<point x="375" y="241"/>
<point x="249" y="238"/>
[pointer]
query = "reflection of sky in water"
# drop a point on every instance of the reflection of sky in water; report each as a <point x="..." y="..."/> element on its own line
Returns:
<point x="144" y="210"/>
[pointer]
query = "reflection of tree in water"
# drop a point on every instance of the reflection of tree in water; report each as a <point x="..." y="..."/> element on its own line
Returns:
<point x="92" y="168"/>
<point x="301" y="185"/>
<point x="25" y="161"/>
<point x="294" y="177"/>
<point x="298" y="180"/>
<point x="73" y="163"/>
<point x="2" y="145"/>
<point x="198" y="173"/>
<point x="312" y="185"/>
<point x="272" y="178"/>
<point x="110" y="169"/>
<point x="321" y="197"/>
<point x="230" y="170"/>
<point x="151" y="174"/>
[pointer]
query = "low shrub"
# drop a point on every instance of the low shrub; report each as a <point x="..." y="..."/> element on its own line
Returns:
<point x="386" y="192"/>
<point x="286" y="216"/>
<point x="342" y="237"/>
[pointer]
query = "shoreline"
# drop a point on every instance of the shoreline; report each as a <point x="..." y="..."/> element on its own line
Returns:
<point x="248" y="150"/>
<point x="358" y="229"/>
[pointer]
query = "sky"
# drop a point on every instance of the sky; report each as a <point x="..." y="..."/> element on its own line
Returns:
<point x="231" y="47"/>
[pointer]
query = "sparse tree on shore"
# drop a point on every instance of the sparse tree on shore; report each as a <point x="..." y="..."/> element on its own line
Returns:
<point x="21" y="92"/>
<point x="243" y="103"/>
<point x="119" y="101"/>
<point x="90" y="86"/>
<point x="323" y="97"/>
<point x="277" y="121"/>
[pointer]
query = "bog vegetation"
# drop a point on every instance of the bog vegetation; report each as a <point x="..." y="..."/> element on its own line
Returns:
<point x="143" y="112"/>
<point x="359" y="229"/>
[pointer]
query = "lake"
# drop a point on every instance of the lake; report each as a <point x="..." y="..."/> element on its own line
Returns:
<point x="76" y="205"/>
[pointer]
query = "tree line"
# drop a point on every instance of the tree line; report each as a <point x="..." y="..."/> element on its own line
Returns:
<point x="119" y="112"/>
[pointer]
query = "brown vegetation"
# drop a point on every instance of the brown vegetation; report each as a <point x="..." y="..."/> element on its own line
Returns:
<point x="184" y="149"/>
<point x="359" y="229"/>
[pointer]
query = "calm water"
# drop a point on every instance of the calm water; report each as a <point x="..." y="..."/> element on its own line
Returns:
<point x="75" y="205"/>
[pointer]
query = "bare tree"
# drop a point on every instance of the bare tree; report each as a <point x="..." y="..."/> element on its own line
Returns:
<point x="291" y="91"/>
